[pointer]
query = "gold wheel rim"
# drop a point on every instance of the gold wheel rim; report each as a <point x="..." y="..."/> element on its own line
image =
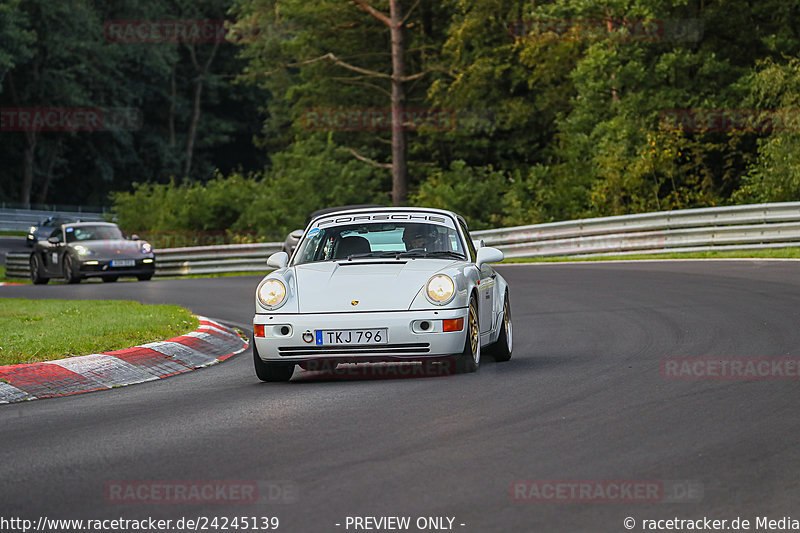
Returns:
<point x="474" y="338"/>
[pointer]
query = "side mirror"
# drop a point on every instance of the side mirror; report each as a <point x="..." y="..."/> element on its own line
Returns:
<point x="53" y="240"/>
<point x="487" y="254"/>
<point x="135" y="237"/>
<point x="291" y="241"/>
<point x="278" y="260"/>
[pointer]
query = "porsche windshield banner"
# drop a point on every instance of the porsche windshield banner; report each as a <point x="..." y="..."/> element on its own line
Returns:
<point x="368" y="218"/>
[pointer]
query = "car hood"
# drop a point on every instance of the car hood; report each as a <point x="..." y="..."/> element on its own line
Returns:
<point x="116" y="249"/>
<point x="375" y="285"/>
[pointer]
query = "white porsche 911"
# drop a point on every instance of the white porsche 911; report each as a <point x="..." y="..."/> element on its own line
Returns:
<point x="381" y="284"/>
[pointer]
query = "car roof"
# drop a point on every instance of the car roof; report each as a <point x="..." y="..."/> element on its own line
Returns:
<point x="395" y="209"/>
<point x="335" y="209"/>
<point x="56" y="221"/>
<point x="80" y="224"/>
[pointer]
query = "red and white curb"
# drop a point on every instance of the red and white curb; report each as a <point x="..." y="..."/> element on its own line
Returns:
<point x="209" y="344"/>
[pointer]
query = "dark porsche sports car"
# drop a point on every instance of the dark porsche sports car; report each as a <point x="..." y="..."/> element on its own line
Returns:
<point x="90" y="249"/>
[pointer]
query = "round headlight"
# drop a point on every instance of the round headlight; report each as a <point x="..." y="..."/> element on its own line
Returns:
<point x="440" y="289"/>
<point x="82" y="250"/>
<point x="146" y="248"/>
<point x="272" y="293"/>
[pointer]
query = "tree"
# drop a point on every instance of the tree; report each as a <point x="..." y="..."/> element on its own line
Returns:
<point x="186" y="117"/>
<point x="775" y="175"/>
<point x="15" y="37"/>
<point x="307" y="64"/>
<point x="53" y="77"/>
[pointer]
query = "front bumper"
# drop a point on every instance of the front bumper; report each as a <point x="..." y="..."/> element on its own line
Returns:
<point x="406" y="336"/>
<point x="101" y="268"/>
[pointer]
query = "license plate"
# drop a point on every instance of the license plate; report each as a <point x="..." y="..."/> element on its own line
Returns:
<point x="123" y="263"/>
<point x="351" y="336"/>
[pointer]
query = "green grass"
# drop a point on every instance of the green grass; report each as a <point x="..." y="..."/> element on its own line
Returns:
<point x="8" y="233"/>
<point x="771" y="253"/>
<point x="43" y="330"/>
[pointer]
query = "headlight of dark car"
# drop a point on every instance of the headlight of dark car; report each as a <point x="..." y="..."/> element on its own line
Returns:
<point x="82" y="250"/>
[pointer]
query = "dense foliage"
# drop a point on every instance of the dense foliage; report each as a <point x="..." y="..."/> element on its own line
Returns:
<point x="536" y="110"/>
<point x="62" y="56"/>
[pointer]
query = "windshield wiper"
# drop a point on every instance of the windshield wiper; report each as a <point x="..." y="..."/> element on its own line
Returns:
<point x="423" y="253"/>
<point x="447" y="253"/>
<point x="365" y="254"/>
<point x="410" y="253"/>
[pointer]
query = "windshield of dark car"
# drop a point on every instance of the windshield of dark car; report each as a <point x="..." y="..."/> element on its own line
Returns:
<point x="422" y="240"/>
<point x="93" y="233"/>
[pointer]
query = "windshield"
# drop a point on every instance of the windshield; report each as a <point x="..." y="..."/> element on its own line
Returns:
<point x="379" y="240"/>
<point x="93" y="233"/>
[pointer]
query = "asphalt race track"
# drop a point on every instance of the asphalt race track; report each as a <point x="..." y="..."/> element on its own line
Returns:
<point x="583" y="398"/>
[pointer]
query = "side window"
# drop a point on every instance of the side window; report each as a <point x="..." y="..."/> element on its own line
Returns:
<point x="471" y="247"/>
<point x="57" y="234"/>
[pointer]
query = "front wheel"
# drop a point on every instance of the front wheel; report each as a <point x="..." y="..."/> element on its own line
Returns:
<point x="71" y="272"/>
<point x="271" y="371"/>
<point x="144" y="277"/>
<point x="109" y="279"/>
<point x="470" y="358"/>
<point x="37" y="271"/>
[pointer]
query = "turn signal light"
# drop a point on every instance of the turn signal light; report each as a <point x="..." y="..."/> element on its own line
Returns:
<point x="258" y="330"/>
<point x="453" y="324"/>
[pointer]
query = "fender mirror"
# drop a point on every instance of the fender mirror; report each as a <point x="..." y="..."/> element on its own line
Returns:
<point x="487" y="254"/>
<point x="278" y="260"/>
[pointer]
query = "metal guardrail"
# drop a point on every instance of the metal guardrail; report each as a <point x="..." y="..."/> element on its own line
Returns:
<point x="200" y="260"/>
<point x="774" y="225"/>
<point x="22" y="219"/>
<point x="716" y="228"/>
<point x="215" y="259"/>
<point x="17" y="265"/>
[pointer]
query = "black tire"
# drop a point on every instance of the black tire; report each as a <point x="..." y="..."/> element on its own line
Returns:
<point x="109" y="279"/>
<point x="71" y="274"/>
<point x="144" y="277"/>
<point x="271" y="371"/>
<point x="501" y="350"/>
<point x="470" y="359"/>
<point x="37" y="271"/>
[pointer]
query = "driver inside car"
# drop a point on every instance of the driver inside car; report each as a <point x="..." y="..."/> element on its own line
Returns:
<point x="418" y="237"/>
